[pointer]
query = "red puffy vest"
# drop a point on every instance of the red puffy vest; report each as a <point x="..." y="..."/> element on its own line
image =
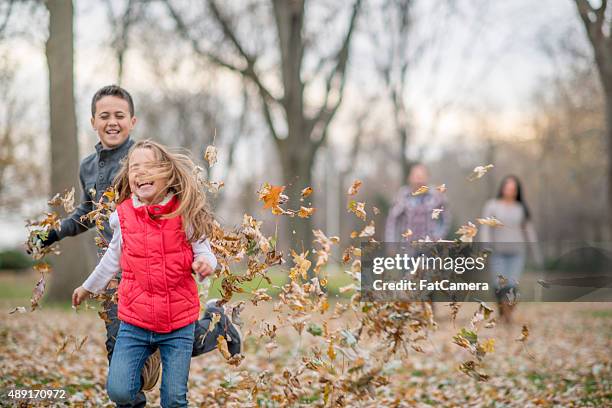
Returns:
<point x="157" y="290"/>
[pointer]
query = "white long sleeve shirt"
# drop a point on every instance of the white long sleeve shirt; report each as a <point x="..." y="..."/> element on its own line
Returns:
<point x="110" y="264"/>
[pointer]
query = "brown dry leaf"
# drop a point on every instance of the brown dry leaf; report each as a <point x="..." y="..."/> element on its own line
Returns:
<point x="324" y="250"/>
<point x="222" y="347"/>
<point x="18" y="309"/>
<point x="42" y="267"/>
<point x="469" y="368"/>
<point x="524" y="334"/>
<point x="420" y="190"/>
<point x="407" y="233"/>
<point x="479" y="171"/>
<point x="467" y="232"/>
<point x="368" y="231"/>
<point x="490" y="221"/>
<point x="216" y="318"/>
<point x="67" y="200"/>
<point x="305" y="212"/>
<point x="271" y="195"/>
<point x="213" y="187"/>
<point x="302" y="265"/>
<point x="38" y="292"/>
<point x="375" y="210"/>
<point x="260" y="295"/>
<point x="354" y="188"/>
<point x="357" y="208"/>
<point x="210" y="155"/>
<point x="442" y="188"/>
<point x="306" y="192"/>
<point x="104" y="316"/>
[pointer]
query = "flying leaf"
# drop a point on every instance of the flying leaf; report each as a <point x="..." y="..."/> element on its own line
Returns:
<point x="271" y="195"/>
<point x="490" y="221"/>
<point x="305" y="212"/>
<point x="467" y="232"/>
<point x="479" y="171"/>
<point x="357" y="208"/>
<point x="306" y="192"/>
<point x="38" y="292"/>
<point x="435" y="213"/>
<point x="368" y="231"/>
<point x="354" y="188"/>
<point x="222" y="347"/>
<point x="210" y="155"/>
<point x="420" y="190"/>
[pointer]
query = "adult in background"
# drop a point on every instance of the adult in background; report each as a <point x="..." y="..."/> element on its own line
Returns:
<point x="418" y="215"/>
<point x="508" y="260"/>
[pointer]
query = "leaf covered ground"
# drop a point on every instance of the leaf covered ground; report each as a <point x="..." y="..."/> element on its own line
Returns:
<point x="564" y="362"/>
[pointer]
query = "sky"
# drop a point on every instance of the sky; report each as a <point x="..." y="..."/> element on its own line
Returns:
<point x="487" y="62"/>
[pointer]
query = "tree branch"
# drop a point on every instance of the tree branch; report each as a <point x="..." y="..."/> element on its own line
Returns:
<point x="335" y="82"/>
<point x="593" y="27"/>
<point x="248" y="71"/>
<point x="7" y="17"/>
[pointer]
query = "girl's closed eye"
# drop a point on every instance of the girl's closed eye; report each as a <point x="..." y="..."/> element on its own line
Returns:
<point x="149" y="186"/>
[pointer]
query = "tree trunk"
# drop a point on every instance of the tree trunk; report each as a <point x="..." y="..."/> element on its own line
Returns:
<point x="71" y="267"/>
<point x="297" y="163"/>
<point x="608" y="103"/>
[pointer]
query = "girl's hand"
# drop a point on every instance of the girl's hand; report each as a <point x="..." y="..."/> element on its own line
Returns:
<point x="202" y="268"/>
<point x="79" y="295"/>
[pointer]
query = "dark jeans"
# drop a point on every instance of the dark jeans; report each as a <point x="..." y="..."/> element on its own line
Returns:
<point x="204" y="341"/>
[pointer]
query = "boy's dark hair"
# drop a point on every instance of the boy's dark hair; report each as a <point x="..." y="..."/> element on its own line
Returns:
<point x="112" y="90"/>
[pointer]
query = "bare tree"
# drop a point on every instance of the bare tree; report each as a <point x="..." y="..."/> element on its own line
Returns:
<point x="597" y="24"/>
<point x="397" y="16"/>
<point x="122" y="22"/>
<point x="19" y="171"/>
<point x="5" y="15"/>
<point x="297" y="132"/>
<point x="63" y="130"/>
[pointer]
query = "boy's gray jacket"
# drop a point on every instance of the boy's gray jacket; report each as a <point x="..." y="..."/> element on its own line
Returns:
<point x="96" y="174"/>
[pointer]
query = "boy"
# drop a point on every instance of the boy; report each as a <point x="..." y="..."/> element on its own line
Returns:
<point x="112" y="118"/>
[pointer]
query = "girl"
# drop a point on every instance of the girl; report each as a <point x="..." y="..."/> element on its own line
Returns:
<point x="159" y="231"/>
<point x="508" y="260"/>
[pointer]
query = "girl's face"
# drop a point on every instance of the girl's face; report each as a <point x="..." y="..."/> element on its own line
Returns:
<point x="509" y="191"/>
<point x="141" y="169"/>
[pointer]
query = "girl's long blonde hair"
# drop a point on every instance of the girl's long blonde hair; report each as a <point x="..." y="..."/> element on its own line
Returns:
<point x="182" y="179"/>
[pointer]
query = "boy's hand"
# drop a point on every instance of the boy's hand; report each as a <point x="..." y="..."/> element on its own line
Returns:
<point x="79" y="295"/>
<point x="202" y="268"/>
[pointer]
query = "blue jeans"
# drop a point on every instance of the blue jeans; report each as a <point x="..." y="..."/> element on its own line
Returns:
<point x="132" y="348"/>
<point x="510" y="266"/>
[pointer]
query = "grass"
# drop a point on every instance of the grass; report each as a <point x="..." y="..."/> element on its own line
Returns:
<point x="16" y="287"/>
